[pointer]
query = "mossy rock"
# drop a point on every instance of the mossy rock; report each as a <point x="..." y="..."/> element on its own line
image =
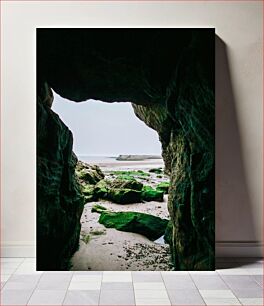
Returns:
<point x="150" y="194"/>
<point x="156" y="170"/>
<point x="127" y="184"/>
<point x="163" y="186"/>
<point x="125" y="177"/>
<point x="150" y="226"/>
<point x="124" y="196"/>
<point x="101" y="189"/>
<point x="89" y="174"/>
<point x="89" y="193"/>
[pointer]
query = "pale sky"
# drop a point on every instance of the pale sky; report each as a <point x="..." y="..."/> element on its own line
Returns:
<point x="106" y="129"/>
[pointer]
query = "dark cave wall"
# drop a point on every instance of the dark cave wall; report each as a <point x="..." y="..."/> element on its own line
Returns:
<point x="168" y="74"/>
<point x="59" y="200"/>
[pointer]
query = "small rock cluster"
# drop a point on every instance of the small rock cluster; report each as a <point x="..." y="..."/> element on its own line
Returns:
<point x="122" y="187"/>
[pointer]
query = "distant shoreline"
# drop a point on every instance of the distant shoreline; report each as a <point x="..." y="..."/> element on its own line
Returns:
<point x="112" y="162"/>
<point x="119" y="158"/>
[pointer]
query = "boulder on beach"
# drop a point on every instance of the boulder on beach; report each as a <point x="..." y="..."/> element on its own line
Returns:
<point x="127" y="184"/>
<point x="150" y="194"/>
<point x="124" y="196"/>
<point x="119" y="191"/>
<point x="147" y="225"/>
<point x="88" y="174"/>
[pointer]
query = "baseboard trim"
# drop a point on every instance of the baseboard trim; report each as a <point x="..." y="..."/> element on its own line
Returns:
<point x="223" y="249"/>
<point x="18" y="250"/>
<point x="239" y="249"/>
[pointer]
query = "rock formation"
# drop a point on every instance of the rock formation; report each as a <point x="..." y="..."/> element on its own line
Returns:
<point x="168" y="75"/>
<point x="59" y="199"/>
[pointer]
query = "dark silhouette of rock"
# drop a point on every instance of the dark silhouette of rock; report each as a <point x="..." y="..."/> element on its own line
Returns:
<point x="59" y="198"/>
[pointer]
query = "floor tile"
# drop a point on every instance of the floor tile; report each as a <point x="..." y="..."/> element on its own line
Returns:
<point x="150" y="302"/>
<point x="178" y="282"/>
<point x="117" y="277"/>
<point x="146" y="277"/>
<point x="54" y="282"/>
<point x="20" y="285"/>
<point x="254" y="271"/>
<point x="174" y="273"/>
<point x="87" y="297"/>
<point x="117" y="286"/>
<point x="248" y="293"/>
<point x="15" y="297"/>
<point x="117" y="297"/>
<point x="86" y="278"/>
<point x="233" y="271"/>
<point x="85" y="286"/>
<point x="32" y="278"/>
<point x="258" y="279"/>
<point x="240" y="282"/>
<point x="217" y="294"/>
<point x="209" y="282"/>
<point x="221" y="301"/>
<point x="203" y="273"/>
<point x="47" y="297"/>
<point x="151" y="294"/>
<point x="251" y="301"/>
<point x="185" y="297"/>
<point x="149" y="286"/>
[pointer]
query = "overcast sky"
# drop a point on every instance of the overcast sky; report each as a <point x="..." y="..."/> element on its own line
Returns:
<point x="106" y="129"/>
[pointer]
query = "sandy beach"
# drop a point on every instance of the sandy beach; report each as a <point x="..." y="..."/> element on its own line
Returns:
<point x="107" y="249"/>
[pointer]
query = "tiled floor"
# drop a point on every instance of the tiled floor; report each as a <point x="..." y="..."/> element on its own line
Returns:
<point x="235" y="282"/>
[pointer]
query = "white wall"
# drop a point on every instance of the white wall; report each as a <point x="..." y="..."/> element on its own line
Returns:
<point x="238" y="93"/>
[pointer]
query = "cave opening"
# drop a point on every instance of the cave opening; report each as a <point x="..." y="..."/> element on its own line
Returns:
<point x="118" y="152"/>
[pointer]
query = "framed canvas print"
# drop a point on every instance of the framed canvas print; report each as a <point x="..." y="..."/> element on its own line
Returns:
<point x="125" y="149"/>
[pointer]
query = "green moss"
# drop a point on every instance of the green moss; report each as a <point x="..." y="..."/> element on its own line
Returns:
<point x="98" y="208"/>
<point x="133" y="173"/>
<point x="163" y="186"/>
<point x="150" y="226"/>
<point x="89" y="193"/>
<point x="150" y="194"/>
<point x="126" y="184"/>
<point x="124" y="196"/>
